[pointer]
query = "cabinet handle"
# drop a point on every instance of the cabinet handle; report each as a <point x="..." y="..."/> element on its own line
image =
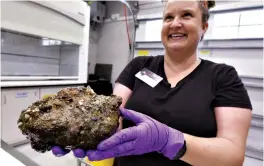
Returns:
<point x="4" y="99"/>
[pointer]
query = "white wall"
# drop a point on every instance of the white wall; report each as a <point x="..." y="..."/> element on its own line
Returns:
<point x="112" y="40"/>
<point x="113" y="47"/>
<point x="93" y="44"/>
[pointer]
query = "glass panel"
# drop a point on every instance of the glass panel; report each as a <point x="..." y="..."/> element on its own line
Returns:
<point x="225" y="33"/>
<point x="225" y="26"/>
<point x="251" y="17"/>
<point x="226" y="19"/>
<point x="254" y="31"/>
<point x="24" y="55"/>
<point x="153" y="30"/>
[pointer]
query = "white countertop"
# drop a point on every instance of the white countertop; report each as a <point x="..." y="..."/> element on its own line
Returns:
<point x="6" y="159"/>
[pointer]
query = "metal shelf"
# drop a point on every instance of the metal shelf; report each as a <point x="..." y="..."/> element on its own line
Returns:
<point x="254" y="153"/>
<point x="210" y="44"/>
<point x="253" y="82"/>
<point x="37" y="78"/>
<point x="257" y="121"/>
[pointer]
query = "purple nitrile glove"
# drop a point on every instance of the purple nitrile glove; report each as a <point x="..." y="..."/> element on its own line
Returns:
<point x="147" y="136"/>
<point x="59" y="152"/>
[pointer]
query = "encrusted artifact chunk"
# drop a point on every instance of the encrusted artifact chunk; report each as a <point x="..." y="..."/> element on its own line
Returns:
<point x="72" y="118"/>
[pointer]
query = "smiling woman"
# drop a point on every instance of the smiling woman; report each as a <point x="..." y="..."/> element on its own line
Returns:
<point x="198" y="114"/>
<point x="186" y="22"/>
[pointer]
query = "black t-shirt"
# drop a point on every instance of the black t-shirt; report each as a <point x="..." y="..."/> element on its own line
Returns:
<point x="187" y="107"/>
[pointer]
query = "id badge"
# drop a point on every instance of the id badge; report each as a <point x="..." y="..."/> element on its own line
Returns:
<point x="149" y="77"/>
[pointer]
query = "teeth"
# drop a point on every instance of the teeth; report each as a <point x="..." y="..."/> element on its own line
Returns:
<point x="177" y="35"/>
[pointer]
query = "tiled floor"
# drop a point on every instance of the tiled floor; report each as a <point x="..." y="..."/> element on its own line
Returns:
<point x="47" y="159"/>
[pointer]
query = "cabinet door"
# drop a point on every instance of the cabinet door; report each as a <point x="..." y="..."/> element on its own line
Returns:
<point x="13" y="102"/>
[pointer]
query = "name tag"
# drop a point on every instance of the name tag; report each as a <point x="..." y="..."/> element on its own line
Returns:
<point x="148" y="77"/>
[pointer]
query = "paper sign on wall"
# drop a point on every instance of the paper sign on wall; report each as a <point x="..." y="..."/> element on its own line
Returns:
<point x="205" y="52"/>
<point x="143" y="53"/>
<point x="21" y="94"/>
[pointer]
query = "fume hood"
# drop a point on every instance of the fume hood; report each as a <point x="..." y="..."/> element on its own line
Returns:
<point x="44" y="47"/>
<point x="44" y="43"/>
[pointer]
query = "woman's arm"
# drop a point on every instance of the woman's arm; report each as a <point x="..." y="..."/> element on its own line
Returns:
<point x="124" y="92"/>
<point x="149" y="135"/>
<point x="228" y="148"/>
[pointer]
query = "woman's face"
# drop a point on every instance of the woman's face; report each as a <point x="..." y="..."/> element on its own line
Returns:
<point x="182" y="25"/>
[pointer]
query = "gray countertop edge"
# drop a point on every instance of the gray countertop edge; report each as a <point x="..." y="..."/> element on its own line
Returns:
<point x="28" y="162"/>
<point x="16" y="154"/>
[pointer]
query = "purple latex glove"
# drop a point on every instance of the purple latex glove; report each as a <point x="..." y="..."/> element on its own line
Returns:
<point x="59" y="152"/>
<point x="147" y="136"/>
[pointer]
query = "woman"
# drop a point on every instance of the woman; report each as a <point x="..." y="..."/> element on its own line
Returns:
<point x="198" y="114"/>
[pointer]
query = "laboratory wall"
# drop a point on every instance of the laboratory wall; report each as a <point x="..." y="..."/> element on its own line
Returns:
<point x="92" y="53"/>
<point x="113" y="39"/>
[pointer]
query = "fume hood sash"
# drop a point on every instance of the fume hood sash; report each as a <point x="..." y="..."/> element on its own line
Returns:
<point x="35" y="19"/>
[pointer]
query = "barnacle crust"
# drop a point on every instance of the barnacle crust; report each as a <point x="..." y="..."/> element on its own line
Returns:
<point x="72" y="118"/>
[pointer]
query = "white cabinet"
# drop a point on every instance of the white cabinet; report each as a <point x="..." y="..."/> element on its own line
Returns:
<point x="13" y="102"/>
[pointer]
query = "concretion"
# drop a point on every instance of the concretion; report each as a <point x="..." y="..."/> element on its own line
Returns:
<point x="72" y="118"/>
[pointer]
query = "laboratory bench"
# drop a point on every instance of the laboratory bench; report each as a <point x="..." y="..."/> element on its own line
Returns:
<point x="30" y="159"/>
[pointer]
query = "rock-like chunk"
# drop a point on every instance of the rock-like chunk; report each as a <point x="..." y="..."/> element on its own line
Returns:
<point x="72" y="118"/>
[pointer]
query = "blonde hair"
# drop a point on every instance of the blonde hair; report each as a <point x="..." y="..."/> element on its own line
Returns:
<point x="205" y="6"/>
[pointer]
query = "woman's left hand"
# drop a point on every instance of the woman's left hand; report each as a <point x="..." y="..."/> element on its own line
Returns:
<point x="147" y="136"/>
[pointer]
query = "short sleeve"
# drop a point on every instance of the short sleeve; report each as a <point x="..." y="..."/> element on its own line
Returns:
<point x="127" y="76"/>
<point x="230" y="90"/>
